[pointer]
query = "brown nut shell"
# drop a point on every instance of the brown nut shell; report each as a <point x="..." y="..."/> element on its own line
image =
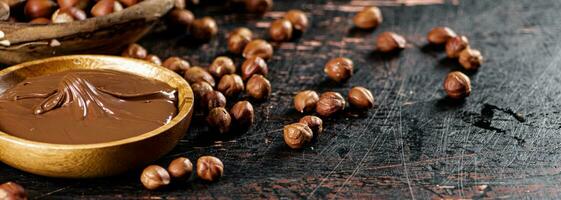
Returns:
<point x="213" y="99"/>
<point x="176" y="64"/>
<point x="297" y="135"/>
<point x="221" y="66"/>
<point x="258" y="87"/>
<point x="258" y="6"/>
<point x="389" y="41"/>
<point x="154" y="177"/>
<point x="209" y="168"/>
<point x="314" y="123"/>
<point x="180" y="168"/>
<point x="252" y="66"/>
<point x="219" y="119"/>
<point x="361" y="98"/>
<point x="196" y="74"/>
<point x="204" y="28"/>
<point x="440" y="35"/>
<point x="368" y="18"/>
<point x="12" y="191"/>
<point x="181" y="17"/>
<point x="339" y="69"/>
<point x="231" y="85"/>
<point x="470" y="59"/>
<point x="457" y="85"/>
<point x="258" y="48"/>
<point x="305" y="101"/>
<point x="242" y="114"/>
<point x="280" y="30"/>
<point x="39" y="8"/>
<point x="455" y="45"/>
<point x="330" y="103"/>
<point x="298" y="19"/>
<point x="135" y="51"/>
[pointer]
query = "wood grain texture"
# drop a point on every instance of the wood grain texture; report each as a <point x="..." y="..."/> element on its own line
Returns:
<point x="501" y="142"/>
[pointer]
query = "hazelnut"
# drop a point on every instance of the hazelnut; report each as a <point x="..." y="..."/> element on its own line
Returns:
<point x="297" y="135"/>
<point x="305" y="101"/>
<point x="258" y="87"/>
<point x="440" y="35"/>
<point x="313" y="122"/>
<point x="176" y="64"/>
<point x="339" y="69"/>
<point x="390" y="41"/>
<point x="196" y="74"/>
<point x="117" y="6"/>
<point x="180" y="168"/>
<point x="222" y="65"/>
<point x="455" y="45"/>
<point x="154" y="177"/>
<point x="40" y="20"/>
<point x="39" y="8"/>
<point x="258" y="6"/>
<point x="214" y="99"/>
<point x="181" y="17"/>
<point x="368" y="18"/>
<point x="457" y="85"/>
<point x="236" y="43"/>
<point x="361" y="98"/>
<point x="80" y="4"/>
<point x="242" y="113"/>
<point x="231" y="85"/>
<point x="470" y="59"/>
<point x="153" y="59"/>
<point x="104" y="7"/>
<point x="241" y="31"/>
<point x="298" y="19"/>
<point x="260" y="48"/>
<point x="4" y="11"/>
<point x="209" y="168"/>
<point x="219" y="119"/>
<point x="12" y="191"/>
<point x="280" y="30"/>
<point x="330" y="103"/>
<point x="77" y="13"/>
<point x="200" y="89"/>
<point x="204" y="28"/>
<point x="128" y="3"/>
<point x="135" y="51"/>
<point x="61" y="17"/>
<point x="252" y="66"/>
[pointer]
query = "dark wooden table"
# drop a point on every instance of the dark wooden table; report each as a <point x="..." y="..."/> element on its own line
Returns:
<point x="503" y="141"/>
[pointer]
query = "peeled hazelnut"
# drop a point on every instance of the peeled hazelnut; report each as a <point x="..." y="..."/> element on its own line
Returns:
<point x="339" y="69"/>
<point x="280" y="30"/>
<point x="231" y="85"/>
<point x="455" y="45"/>
<point x="305" y="101"/>
<point x="470" y="59"/>
<point x="457" y="85"/>
<point x="241" y="31"/>
<point x="196" y="74"/>
<point x="204" y="28"/>
<point x="440" y="35"/>
<point x="181" y="17"/>
<point x="40" y="20"/>
<point x="298" y="19"/>
<point x="209" y="168"/>
<point x="154" y="177"/>
<point x="297" y="135"/>
<point x="12" y="191"/>
<point x="61" y="17"/>
<point x="313" y="122"/>
<point x="104" y="7"/>
<point x="39" y="8"/>
<point x="214" y="99"/>
<point x="389" y="41"/>
<point x="259" y="48"/>
<point x="153" y="59"/>
<point x="4" y="11"/>
<point x="258" y="6"/>
<point x="236" y="43"/>
<point x="221" y="66"/>
<point x="200" y="89"/>
<point x="135" y="51"/>
<point x="368" y="18"/>
<point x="361" y="98"/>
<point x="176" y="64"/>
<point x="252" y="66"/>
<point x="180" y="168"/>
<point x="330" y="103"/>
<point x="129" y="3"/>
<point x="242" y="114"/>
<point x="219" y="119"/>
<point x="258" y="87"/>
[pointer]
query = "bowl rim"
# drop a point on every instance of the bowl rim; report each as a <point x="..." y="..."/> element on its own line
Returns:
<point x="181" y="115"/>
<point x="85" y="20"/>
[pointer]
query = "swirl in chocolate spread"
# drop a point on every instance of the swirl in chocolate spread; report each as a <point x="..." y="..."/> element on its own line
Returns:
<point x="86" y="107"/>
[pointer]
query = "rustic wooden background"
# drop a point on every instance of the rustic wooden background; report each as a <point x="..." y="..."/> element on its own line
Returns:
<point x="501" y="142"/>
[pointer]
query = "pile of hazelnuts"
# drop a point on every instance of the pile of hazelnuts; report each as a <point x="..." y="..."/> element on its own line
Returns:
<point x="59" y="11"/>
<point x="209" y="168"/>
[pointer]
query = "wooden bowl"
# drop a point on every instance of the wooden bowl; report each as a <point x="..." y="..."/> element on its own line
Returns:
<point x="98" y="35"/>
<point x="102" y="159"/>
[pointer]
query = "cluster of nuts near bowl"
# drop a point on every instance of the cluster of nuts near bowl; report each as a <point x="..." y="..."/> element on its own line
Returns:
<point x="59" y="11"/>
<point x="208" y="168"/>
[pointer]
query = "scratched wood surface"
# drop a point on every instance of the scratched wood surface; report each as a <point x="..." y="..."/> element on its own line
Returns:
<point x="501" y="142"/>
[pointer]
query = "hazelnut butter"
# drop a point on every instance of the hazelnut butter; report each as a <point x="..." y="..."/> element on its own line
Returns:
<point x="86" y="107"/>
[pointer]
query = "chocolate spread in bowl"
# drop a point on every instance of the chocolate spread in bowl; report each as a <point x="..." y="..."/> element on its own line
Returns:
<point x="86" y="107"/>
